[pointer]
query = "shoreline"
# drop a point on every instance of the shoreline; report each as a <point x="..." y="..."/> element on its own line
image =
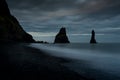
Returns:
<point x="19" y="61"/>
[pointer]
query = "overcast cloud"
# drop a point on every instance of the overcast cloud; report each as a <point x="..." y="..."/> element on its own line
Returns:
<point x="77" y="15"/>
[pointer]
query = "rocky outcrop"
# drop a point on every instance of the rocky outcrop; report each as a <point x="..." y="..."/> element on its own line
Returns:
<point x="4" y="10"/>
<point x="61" y="37"/>
<point x="10" y="29"/>
<point x="93" y="41"/>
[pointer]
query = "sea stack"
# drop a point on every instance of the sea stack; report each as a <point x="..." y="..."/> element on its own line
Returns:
<point x="10" y="29"/>
<point x="93" y="41"/>
<point x="61" y="37"/>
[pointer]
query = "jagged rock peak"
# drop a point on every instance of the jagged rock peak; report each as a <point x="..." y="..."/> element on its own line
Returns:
<point x="62" y="30"/>
<point x="61" y="37"/>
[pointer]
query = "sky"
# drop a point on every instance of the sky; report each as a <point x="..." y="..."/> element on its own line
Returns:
<point x="44" y="18"/>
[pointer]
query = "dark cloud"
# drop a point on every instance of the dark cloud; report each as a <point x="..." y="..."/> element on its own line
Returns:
<point x="51" y="5"/>
<point x="72" y="13"/>
<point x="47" y="9"/>
<point x="45" y="5"/>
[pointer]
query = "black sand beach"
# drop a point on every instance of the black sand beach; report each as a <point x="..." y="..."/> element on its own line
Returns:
<point x="20" y="62"/>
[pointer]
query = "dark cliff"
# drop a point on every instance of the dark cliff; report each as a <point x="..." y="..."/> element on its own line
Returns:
<point x="10" y="29"/>
<point x="61" y="37"/>
<point x="4" y="10"/>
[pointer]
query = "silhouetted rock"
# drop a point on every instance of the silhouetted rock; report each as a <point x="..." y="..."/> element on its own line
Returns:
<point x="10" y="29"/>
<point x="4" y="10"/>
<point x="44" y="42"/>
<point x="61" y="37"/>
<point x="93" y="41"/>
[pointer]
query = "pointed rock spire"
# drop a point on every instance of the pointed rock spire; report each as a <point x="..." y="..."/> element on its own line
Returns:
<point x="93" y="41"/>
<point x="61" y="37"/>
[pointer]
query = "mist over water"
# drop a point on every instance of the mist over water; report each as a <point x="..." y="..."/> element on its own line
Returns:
<point x="102" y="60"/>
<point x="77" y="37"/>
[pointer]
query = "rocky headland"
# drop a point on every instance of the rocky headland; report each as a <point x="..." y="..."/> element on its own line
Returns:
<point x="10" y="29"/>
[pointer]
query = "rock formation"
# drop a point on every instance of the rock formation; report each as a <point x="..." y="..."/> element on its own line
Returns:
<point x="61" y="37"/>
<point x="93" y="41"/>
<point x="4" y="10"/>
<point x="10" y="29"/>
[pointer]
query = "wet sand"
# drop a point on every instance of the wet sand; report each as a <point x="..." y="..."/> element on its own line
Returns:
<point x="20" y="62"/>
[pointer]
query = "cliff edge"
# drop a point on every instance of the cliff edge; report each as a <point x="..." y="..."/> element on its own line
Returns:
<point x="10" y="29"/>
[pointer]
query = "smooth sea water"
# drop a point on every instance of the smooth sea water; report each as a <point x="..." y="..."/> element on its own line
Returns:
<point x="99" y="61"/>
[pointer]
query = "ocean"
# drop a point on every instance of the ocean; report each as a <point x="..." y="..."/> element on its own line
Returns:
<point x="99" y="61"/>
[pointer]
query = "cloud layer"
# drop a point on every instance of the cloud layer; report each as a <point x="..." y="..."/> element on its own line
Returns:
<point x="78" y="15"/>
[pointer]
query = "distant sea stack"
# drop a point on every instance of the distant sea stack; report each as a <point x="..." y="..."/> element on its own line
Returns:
<point x="93" y="41"/>
<point x="61" y="37"/>
<point x="10" y="29"/>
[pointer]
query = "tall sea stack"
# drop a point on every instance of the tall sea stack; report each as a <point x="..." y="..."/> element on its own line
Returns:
<point x="61" y="37"/>
<point x="10" y="29"/>
<point x="93" y="41"/>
